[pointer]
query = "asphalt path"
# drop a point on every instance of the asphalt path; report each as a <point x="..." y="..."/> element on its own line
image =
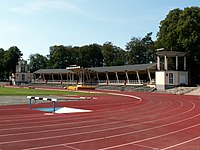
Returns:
<point x="13" y="100"/>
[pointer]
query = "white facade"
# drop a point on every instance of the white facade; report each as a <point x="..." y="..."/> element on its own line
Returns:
<point x="22" y="75"/>
<point x="167" y="79"/>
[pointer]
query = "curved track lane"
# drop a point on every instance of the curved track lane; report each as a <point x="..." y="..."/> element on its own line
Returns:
<point x="119" y="122"/>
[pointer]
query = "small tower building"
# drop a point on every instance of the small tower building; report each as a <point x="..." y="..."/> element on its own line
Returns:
<point x="22" y="75"/>
<point x="169" y="77"/>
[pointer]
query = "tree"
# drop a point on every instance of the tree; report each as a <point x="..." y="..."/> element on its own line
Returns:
<point x="90" y="56"/>
<point x="113" y="55"/>
<point x="180" y="31"/>
<point x="2" y="64"/>
<point x="58" y="56"/>
<point x="150" y="48"/>
<point x="37" y="62"/>
<point x="141" y="50"/>
<point x="11" y="58"/>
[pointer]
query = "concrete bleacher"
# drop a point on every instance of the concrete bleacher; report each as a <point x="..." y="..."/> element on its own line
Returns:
<point x="181" y="90"/>
<point x="135" y="88"/>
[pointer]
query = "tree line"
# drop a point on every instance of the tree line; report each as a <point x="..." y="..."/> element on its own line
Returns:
<point x="179" y="31"/>
<point x="94" y="55"/>
<point x="8" y="61"/>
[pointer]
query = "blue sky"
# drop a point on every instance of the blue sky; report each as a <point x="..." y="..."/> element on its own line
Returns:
<point x="35" y="25"/>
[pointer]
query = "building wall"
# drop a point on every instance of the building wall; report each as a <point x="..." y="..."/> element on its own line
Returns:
<point x="160" y="80"/>
<point x="183" y="78"/>
<point x="168" y="79"/>
<point x="22" y="74"/>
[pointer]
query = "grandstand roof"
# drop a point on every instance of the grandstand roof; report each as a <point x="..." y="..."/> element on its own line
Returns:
<point x="53" y="71"/>
<point x="137" y="67"/>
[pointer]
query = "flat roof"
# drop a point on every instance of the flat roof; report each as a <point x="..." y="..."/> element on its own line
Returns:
<point x="53" y="71"/>
<point x="171" y="53"/>
<point x="129" y="68"/>
<point x="137" y="67"/>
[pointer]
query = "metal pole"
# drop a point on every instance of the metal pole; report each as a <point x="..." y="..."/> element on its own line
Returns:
<point x="30" y="106"/>
<point x="54" y="106"/>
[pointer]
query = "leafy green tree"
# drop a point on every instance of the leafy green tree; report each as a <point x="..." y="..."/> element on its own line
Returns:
<point x="180" y="31"/>
<point x="150" y="48"/>
<point x="11" y="58"/>
<point x="90" y="56"/>
<point x="2" y="64"/>
<point x="62" y="56"/>
<point x="141" y="50"/>
<point x="58" y="56"/>
<point x="37" y="62"/>
<point x="113" y="55"/>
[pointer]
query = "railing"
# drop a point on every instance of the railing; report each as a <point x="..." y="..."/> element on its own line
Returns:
<point x="121" y="82"/>
<point x="100" y="82"/>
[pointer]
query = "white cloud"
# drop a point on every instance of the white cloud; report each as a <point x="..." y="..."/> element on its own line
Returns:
<point x="37" y="6"/>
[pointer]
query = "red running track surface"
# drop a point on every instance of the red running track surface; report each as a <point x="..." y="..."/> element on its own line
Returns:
<point x="120" y="122"/>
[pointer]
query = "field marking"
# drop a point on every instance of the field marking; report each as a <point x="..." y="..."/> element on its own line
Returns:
<point x="181" y="143"/>
<point x="102" y="138"/>
<point x="115" y="122"/>
<point x="191" y="117"/>
<point x="70" y="147"/>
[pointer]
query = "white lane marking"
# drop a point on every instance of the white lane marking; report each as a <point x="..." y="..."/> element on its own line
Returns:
<point x="102" y="138"/>
<point x="70" y="147"/>
<point x="181" y="143"/>
<point x="114" y="122"/>
<point x="187" y="118"/>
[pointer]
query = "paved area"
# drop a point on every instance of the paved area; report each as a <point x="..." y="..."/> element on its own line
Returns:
<point x="195" y="92"/>
<point x="12" y="100"/>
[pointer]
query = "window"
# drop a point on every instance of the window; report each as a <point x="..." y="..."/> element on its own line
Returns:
<point x="171" y="78"/>
<point x="22" y="68"/>
<point x="23" y="77"/>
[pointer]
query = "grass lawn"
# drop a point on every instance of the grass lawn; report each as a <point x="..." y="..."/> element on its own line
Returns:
<point x="9" y="91"/>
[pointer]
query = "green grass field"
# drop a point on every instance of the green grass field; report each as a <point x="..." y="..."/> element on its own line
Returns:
<point x="8" y="91"/>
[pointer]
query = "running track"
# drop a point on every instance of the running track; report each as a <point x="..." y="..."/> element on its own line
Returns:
<point x="118" y="122"/>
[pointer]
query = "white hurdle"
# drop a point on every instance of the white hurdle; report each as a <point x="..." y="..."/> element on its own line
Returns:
<point x="53" y="100"/>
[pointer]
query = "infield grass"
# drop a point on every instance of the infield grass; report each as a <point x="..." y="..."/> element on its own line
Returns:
<point x="8" y="91"/>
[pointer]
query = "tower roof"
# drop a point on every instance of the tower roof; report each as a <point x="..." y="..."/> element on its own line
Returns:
<point x="171" y="53"/>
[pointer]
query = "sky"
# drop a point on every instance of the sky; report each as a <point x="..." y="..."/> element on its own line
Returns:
<point x="35" y="25"/>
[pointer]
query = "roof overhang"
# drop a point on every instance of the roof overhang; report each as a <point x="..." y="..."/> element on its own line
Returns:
<point x="171" y="53"/>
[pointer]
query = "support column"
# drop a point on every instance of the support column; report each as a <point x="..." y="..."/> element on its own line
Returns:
<point x="98" y="78"/>
<point x="127" y="77"/>
<point x="166" y="65"/>
<point x="61" y="77"/>
<point x="72" y="77"/>
<point x="83" y="77"/>
<point x="138" y="77"/>
<point x="87" y="77"/>
<point x="158" y="62"/>
<point x="107" y="77"/>
<point x="90" y="79"/>
<point x="176" y="62"/>
<point x="52" y="77"/>
<point x="43" y="77"/>
<point x="184" y="62"/>
<point x="117" y="77"/>
<point x="149" y="74"/>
